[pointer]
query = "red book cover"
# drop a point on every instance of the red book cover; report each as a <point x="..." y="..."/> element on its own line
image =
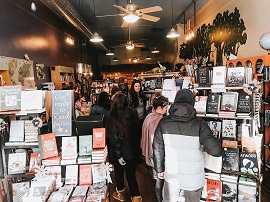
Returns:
<point x="214" y="190"/>
<point x="47" y="145"/>
<point x="85" y="175"/>
<point x="99" y="137"/>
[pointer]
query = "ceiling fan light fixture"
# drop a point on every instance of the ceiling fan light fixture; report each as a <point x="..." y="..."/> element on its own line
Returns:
<point x="148" y="57"/>
<point x="130" y="46"/>
<point x="135" y="59"/>
<point x="172" y="34"/>
<point x="131" y="18"/>
<point x="155" y="50"/>
<point x="115" y="59"/>
<point x="110" y="52"/>
<point x="96" y="38"/>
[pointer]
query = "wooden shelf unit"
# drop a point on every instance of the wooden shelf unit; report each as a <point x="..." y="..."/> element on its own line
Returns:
<point x="62" y="74"/>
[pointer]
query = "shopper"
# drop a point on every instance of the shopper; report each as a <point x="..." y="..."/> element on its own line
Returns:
<point x="160" y="106"/>
<point x="180" y="136"/>
<point x="123" y="134"/>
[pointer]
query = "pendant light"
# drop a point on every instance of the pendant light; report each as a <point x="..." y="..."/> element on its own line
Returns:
<point x="95" y="38"/>
<point x="172" y="33"/>
<point x="148" y="57"/>
<point x="155" y="50"/>
<point x="115" y="59"/>
<point x="110" y="52"/>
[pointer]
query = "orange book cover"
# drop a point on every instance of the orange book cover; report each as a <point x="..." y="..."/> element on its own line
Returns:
<point x="85" y="175"/>
<point x="47" y="145"/>
<point x="229" y="143"/>
<point x="99" y="138"/>
<point x="248" y="144"/>
<point x="214" y="190"/>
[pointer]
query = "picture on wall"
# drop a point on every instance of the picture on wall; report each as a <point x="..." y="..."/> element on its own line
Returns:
<point x="40" y="72"/>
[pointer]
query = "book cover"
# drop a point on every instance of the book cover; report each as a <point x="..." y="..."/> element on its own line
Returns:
<point x="16" y="133"/>
<point x="229" y="129"/>
<point x="215" y="126"/>
<point x="247" y="193"/>
<point x="147" y="85"/>
<point x="168" y="84"/>
<point x="212" y="163"/>
<point x="235" y="76"/>
<point x="55" y="171"/>
<point x="248" y="144"/>
<point x="230" y="159"/>
<point x="230" y="143"/>
<point x="85" y="145"/>
<point x="30" y="131"/>
<point x="152" y="84"/>
<point x="79" y="194"/>
<point x="158" y="83"/>
<point x="69" y="147"/>
<point x="213" y="103"/>
<point x="98" y="173"/>
<point x="229" y="101"/>
<point x="200" y="104"/>
<point x="244" y="103"/>
<point x="99" y="138"/>
<point x="249" y="163"/>
<point x="85" y="177"/>
<point x="31" y="100"/>
<point x="16" y="163"/>
<point x="19" y="190"/>
<point x="229" y="191"/>
<point x="47" y="145"/>
<point x="71" y="174"/>
<point x="10" y="98"/>
<point x="203" y="76"/>
<point x="219" y="75"/>
<point x="35" y="161"/>
<point x="214" y="190"/>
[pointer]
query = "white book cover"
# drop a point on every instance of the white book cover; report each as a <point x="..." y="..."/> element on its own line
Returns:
<point x="169" y="94"/>
<point x="247" y="192"/>
<point x="212" y="163"/>
<point x="19" y="189"/>
<point x="168" y="84"/>
<point x="229" y="129"/>
<point x="16" y="133"/>
<point x="55" y="171"/>
<point x="98" y="173"/>
<point x="30" y="131"/>
<point x="16" y="163"/>
<point x="31" y="100"/>
<point x="69" y="147"/>
<point x="215" y="126"/>
<point x="72" y="174"/>
<point x="200" y="104"/>
<point x="219" y="75"/>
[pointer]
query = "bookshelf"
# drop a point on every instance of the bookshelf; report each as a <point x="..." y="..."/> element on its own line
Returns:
<point x="61" y="74"/>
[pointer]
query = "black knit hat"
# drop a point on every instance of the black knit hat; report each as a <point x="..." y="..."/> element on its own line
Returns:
<point x="184" y="96"/>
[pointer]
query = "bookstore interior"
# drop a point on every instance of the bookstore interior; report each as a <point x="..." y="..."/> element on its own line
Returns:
<point x="53" y="151"/>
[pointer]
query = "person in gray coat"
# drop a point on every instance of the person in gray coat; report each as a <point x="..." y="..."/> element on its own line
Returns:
<point x="177" y="149"/>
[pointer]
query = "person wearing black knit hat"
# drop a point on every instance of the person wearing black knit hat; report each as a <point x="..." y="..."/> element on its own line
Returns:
<point x="180" y="136"/>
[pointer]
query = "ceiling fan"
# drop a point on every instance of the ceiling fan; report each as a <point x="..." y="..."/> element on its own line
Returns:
<point x="133" y="13"/>
<point x="130" y="44"/>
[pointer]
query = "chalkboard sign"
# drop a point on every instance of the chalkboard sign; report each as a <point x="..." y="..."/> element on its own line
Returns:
<point x="62" y="112"/>
<point x="203" y="76"/>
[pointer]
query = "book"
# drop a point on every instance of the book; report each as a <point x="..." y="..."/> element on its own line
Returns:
<point x="213" y="103"/>
<point x="214" y="190"/>
<point x="229" y="191"/>
<point x="79" y="194"/>
<point x="85" y="175"/>
<point x="99" y="138"/>
<point x="219" y="75"/>
<point x="85" y="145"/>
<point x="71" y="175"/>
<point x="30" y="131"/>
<point x="212" y="163"/>
<point x="98" y="173"/>
<point x="230" y="159"/>
<point x="229" y="129"/>
<point x="203" y="76"/>
<point x="16" y="133"/>
<point x="35" y="161"/>
<point x="152" y="84"/>
<point x="247" y="193"/>
<point x="55" y="171"/>
<point x="235" y="76"/>
<point x="19" y="190"/>
<point x="16" y="163"/>
<point x="61" y="195"/>
<point x="249" y="163"/>
<point x="147" y="85"/>
<point x="229" y="101"/>
<point x="69" y="147"/>
<point x="47" y="145"/>
<point x="31" y="100"/>
<point x="10" y="98"/>
<point x="230" y="143"/>
<point x="248" y="144"/>
<point x="244" y="104"/>
<point x="200" y="104"/>
<point x="215" y="126"/>
<point x="158" y="83"/>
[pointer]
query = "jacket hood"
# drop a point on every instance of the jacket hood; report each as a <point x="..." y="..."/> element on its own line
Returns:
<point x="182" y="112"/>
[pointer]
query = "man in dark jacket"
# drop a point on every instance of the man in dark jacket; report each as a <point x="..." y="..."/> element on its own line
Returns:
<point x="177" y="149"/>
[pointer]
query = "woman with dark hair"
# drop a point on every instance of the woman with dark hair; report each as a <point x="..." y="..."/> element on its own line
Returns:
<point x="122" y="131"/>
<point x="103" y="106"/>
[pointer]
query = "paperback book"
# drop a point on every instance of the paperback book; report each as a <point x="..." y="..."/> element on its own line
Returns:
<point x="229" y="129"/>
<point x="230" y="159"/>
<point x="249" y="163"/>
<point x="229" y="191"/>
<point x="85" y="145"/>
<point x="235" y="76"/>
<point x="16" y="163"/>
<point x="99" y="138"/>
<point x="215" y="126"/>
<point x="69" y="147"/>
<point x="71" y="175"/>
<point x="47" y="145"/>
<point x="16" y="133"/>
<point x="213" y="104"/>
<point x="85" y="175"/>
<point x="214" y="190"/>
<point x="229" y="101"/>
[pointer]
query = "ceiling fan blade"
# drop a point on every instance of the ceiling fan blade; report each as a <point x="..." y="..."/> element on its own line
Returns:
<point x="102" y="16"/>
<point x="149" y="9"/>
<point x="139" y="45"/>
<point x="124" y="24"/>
<point x="121" y="8"/>
<point x="149" y="17"/>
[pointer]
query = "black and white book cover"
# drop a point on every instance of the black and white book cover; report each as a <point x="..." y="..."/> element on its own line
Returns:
<point x="228" y="129"/>
<point x="229" y="101"/>
<point x="235" y="76"/>
<point x="229" y="191"/>
<point x="159" y="83"/>
<point x="249" y="163"/>
<point x="230" y="159"/>
<point x="244" y="103"/>
<point x="203" y="76"/>
<point x="213" y="103"/>
<point x="147" y="85"/>
<point x="215" y="126"/>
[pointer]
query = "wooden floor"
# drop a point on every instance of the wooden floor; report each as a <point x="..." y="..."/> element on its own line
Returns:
<point x="147" y="184"/>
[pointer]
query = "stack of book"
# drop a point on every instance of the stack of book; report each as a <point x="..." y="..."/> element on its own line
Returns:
<point x="51" y="161"/>
<point x="96" y="192"/>
<point x="62" y="194"/>
<point x="100" y="150"/>
<point x="69" y="150"/>
<point x="85" y="149"/>
<point x="99" y="155"/>
<point x="79" y="194"/>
